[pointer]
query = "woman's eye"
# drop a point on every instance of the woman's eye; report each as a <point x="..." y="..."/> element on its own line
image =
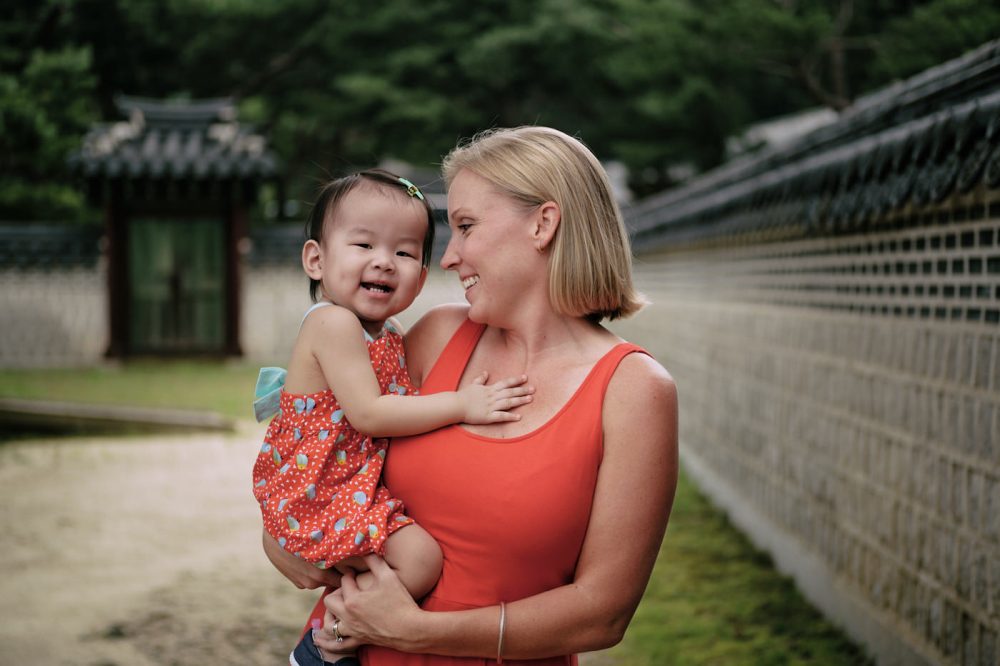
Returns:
<point x="464" y="228"/>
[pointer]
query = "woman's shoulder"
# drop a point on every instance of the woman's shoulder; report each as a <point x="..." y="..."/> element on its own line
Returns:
<point x="448" y="315"/>
<point x="641" y="367"/>
<point x="427" y="338"/>
<point x="640" y="390"/>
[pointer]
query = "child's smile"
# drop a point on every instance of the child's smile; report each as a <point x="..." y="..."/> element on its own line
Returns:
<point x="377" y="287"/>
<point x="370" y="258"/>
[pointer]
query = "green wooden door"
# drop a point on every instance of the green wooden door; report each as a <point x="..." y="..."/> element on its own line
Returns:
<point x="177" y="286"/>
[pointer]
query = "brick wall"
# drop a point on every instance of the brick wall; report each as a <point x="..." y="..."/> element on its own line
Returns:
<point x="840" y="396"/>
<point x="52" y="317"/>
<point x="57" y="315"/>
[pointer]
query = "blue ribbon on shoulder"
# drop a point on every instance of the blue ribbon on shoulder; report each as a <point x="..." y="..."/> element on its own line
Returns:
<point x="267" y="393"/>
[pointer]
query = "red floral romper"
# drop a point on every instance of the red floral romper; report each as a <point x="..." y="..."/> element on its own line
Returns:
<point x="318" y="480"/>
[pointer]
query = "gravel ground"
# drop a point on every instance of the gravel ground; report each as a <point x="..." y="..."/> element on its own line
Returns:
<point x="141" y="551"/>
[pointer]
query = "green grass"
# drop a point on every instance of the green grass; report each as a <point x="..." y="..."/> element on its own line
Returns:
<point x="216" y="386"/>
<point x="712" y="599"/>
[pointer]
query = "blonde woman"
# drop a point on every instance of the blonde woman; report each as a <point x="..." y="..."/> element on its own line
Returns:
<point x="549" y="525"/>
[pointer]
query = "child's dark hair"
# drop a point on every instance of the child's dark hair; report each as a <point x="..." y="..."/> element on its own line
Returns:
<point x="333" y="192"/>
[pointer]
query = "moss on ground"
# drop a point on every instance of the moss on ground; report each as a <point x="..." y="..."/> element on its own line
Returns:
<point x="715" y="599"/>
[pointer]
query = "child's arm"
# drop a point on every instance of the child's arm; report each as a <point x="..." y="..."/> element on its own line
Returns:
<point x="336" y="339"/>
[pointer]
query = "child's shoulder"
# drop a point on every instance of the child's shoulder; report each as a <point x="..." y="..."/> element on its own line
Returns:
<point x="332" y="319"/>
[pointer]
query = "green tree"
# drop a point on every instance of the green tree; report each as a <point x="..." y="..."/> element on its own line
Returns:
<point x="46" y="106"/>
<point x="932" y="33"/>
<point x="654" y="83"/>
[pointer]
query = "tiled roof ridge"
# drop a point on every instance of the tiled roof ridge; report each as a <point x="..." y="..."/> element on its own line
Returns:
<point x="172" y="112"/>
<point x="174" y="139"/>
<point x="944" y="109"/>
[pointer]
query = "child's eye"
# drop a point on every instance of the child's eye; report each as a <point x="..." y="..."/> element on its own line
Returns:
<point x="404" y="253"/>
<point x="366" y="246"/>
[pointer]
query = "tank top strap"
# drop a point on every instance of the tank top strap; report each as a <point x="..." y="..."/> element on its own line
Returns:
<point x="315" y="306"/>
<point x="448" y="369"/>
<point x="600" y="376"/>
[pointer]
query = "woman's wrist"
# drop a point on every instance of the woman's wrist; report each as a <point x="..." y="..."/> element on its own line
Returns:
<point x="418" y="632"/>
<point x="455" y="633"/>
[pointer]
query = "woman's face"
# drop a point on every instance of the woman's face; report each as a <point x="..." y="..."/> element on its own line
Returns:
<point x="490" y="247"/>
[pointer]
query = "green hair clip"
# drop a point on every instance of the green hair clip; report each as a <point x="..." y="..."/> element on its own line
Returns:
<point x="412" y="189"/>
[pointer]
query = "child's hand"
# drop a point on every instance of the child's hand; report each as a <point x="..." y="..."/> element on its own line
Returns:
<point x="492" y="403"/>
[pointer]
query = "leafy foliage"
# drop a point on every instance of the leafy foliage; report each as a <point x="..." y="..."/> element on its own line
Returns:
<point x="45" y="107"/>
<point x="653" y="83"/>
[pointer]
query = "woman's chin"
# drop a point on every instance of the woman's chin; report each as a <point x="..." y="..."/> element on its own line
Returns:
<point x="476" y="317"/>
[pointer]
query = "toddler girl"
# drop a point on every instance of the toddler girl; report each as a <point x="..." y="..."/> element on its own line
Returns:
<point x="317" y="475"/>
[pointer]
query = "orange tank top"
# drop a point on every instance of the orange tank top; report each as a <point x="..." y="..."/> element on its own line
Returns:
<point x="510" y="514"/>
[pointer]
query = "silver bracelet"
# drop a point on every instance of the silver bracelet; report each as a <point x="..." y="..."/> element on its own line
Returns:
<point x="503" y="626"/>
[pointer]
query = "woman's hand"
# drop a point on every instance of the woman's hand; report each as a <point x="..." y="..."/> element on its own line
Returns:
<point x="303" y="575"/>
<point x="383" y="613"/>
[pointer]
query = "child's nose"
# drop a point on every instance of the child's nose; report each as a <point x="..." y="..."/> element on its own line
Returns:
<point x="384" y="261"/>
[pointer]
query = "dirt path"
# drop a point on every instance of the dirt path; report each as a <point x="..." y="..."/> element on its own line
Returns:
<point x="142" y="551"/>
<point x="138" y="551"/>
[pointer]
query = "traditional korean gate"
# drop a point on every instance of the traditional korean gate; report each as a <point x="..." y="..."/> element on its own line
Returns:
<point x="176" y="182"/>
<point x="177" y="286"/>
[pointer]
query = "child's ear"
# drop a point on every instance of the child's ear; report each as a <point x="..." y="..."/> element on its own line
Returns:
<point x="312" y="260"/>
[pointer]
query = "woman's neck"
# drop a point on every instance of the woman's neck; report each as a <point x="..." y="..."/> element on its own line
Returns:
<point x="536" y="334"/>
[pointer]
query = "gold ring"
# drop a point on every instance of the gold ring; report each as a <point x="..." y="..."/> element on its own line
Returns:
<point x="336" y="631"/>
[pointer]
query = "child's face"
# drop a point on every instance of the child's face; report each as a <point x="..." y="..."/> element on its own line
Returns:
<point x="370" y="258"/>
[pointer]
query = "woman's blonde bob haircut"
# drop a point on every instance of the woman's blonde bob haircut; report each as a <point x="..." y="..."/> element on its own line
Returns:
<point x="590" y="267"/>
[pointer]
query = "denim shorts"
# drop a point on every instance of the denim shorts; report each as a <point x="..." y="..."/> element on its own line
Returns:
<point x="307" y="654"/>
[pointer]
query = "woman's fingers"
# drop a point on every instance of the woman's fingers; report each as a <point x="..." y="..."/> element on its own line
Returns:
<point x="348" y="585"/>
<point x="378" y="566"/>
<point x="347" y="645"/>
<point x="378" y="615"/>
<point x="335" y="600"/>
<point x="334" y="603"/>
<point x="326" y="637"/>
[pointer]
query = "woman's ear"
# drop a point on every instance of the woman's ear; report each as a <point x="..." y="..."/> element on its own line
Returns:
<point x="312" y="260"/>
<point x="547" y="219"/>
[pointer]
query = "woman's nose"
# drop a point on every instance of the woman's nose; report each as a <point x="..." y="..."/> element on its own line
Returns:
<point x="450" y="257"/>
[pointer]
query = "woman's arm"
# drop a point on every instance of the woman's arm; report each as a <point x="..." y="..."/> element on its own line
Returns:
<point x="634" y="494"/>
<point x="303" y="575"/>
<point x="336" y="339"/>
